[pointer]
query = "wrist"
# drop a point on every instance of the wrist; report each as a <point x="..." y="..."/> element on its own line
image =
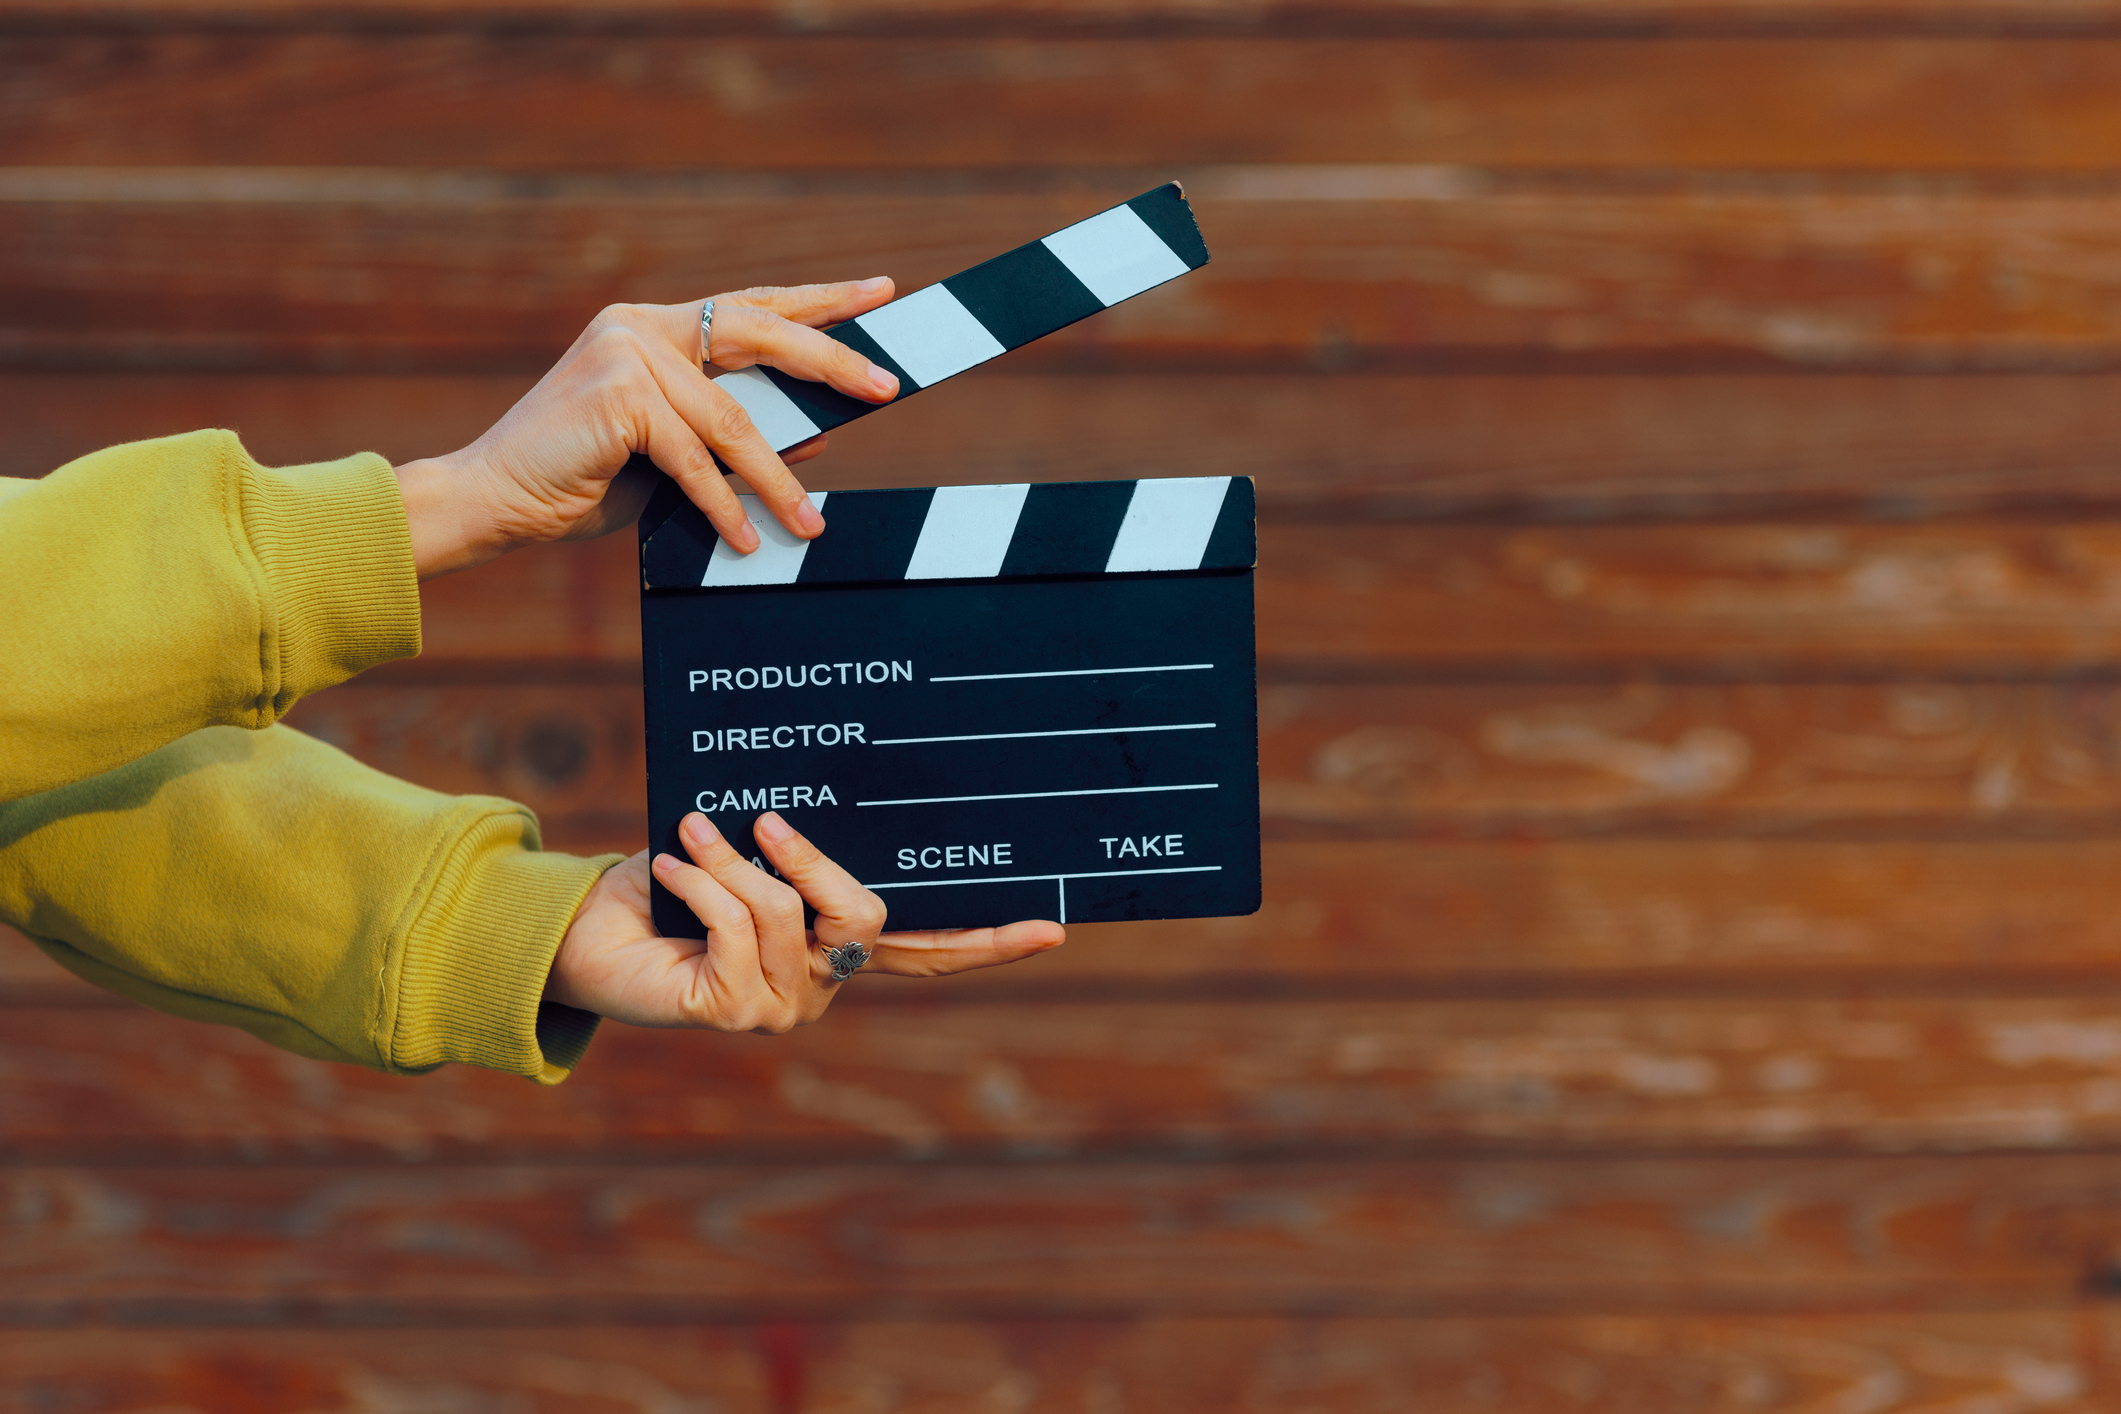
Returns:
<point x="451" y="525"/>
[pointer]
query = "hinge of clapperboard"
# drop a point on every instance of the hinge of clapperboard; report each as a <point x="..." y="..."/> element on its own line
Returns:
<point x="959" y="323"/>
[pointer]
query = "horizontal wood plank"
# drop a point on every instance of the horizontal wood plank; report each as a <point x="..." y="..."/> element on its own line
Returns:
<point x="1319" y="267"/>
<point x="1604" y="917"/>
<point x="571" y="102"/>
<point x="1552" y="447"/>
<point x="1438" y="759"/>
<point x="1052" y="17"/>
<point x="587" y="1243"/>
<point x="1973" y="599"/>
<point x="2053" y="1361"/>
<point x="1968" y="600"/>
<point x="1290" y="1078"/>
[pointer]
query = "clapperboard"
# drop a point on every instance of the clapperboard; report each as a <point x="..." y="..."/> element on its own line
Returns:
<point x="986" y="702"/>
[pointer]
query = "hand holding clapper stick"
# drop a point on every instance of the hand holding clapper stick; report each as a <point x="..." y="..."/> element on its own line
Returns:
<point x="988" y="701"/>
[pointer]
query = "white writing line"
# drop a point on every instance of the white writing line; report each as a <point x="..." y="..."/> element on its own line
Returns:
<point x="1045" y="878"/>
<point x="1077" y="672"/>
<point x="1012" y="736"/>
<point x="1032" y="795"/>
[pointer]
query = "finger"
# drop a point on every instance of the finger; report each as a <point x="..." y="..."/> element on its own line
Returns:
<point x="939" y="954"/>
<point x="733" y="980"/>
<point x="722" y="424"/>
<point x="673" y="445"/>
<point x="803" y="451"/>
<point x="776" y="918"/>
<point x="846" y="912"/>
<point x="744" y="336"/>
<point x="814" y="305"/>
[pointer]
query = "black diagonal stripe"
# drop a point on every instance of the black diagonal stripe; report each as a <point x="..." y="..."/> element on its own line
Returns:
<point x="675" y="554"/>
<point x="868" y="535"/>
<point x="855" y="337"/>
<point x="827" y="407"/>
<point x="1234" y="543"/>
<point x="662" y="501"/>
<point x="1024" y="295"/>
<point x="1166" y="212"/>
<point x="1068" y="528"/>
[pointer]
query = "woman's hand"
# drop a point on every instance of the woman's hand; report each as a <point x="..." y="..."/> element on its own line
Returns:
<point x="757" y="969"/>
<point x="549" y="469"/>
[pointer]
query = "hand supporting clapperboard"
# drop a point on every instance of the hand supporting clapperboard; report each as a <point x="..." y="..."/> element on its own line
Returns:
<point x="986" y="702"/>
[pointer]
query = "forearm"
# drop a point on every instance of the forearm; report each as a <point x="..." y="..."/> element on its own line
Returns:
<point x="175" y="584"/>
<point x="266" y="881"/>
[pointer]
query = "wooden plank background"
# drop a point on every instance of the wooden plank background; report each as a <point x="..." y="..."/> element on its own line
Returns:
<point x="1689" y="445"/>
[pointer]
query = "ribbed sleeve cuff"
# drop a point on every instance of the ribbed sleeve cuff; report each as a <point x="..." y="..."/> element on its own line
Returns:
<point x="342" y="594"/>
<point x="471" y="978"/>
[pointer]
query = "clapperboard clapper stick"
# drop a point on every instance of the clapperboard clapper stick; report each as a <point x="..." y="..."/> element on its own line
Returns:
<point x="987" y="702"/>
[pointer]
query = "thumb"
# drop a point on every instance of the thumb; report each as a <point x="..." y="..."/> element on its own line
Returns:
<point x="939" y="954"/>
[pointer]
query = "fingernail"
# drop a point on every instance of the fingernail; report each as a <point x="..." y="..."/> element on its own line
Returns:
<point x="664" y="863"/>
<point x="745" y="540"/>
<point x="772" y="827"/>
<point x="874" y="282"/>
<point x="807" y="514"/>
<point x="880" y="379"/>
<point x="699" y="830"/>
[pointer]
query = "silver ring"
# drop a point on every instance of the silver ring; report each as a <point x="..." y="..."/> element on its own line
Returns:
<point x="706" y="333"/>
<point x="846" y="961"/>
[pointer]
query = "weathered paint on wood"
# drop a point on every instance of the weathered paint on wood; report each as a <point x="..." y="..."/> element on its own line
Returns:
<point x="1759" y="600"/>
<point x="553" y="102"/>
<point x="1042" y="18"/>
<point x="1547" y="447"/>
<point x="680" y="1243"/>
<point x="1597" y="917"/>
<point x="2034" y="1362"/>
<point x="1969" y="599"/>
<point x="1179" y="1079"/>
<point x="1317" y="267"/>
<point x="1428" y="759"/>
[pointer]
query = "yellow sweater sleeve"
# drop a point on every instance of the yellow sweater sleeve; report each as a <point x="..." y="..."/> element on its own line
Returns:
<point x="181" y="594"/>
<point x="170" y="585"/>
<point x="265" y="880"/>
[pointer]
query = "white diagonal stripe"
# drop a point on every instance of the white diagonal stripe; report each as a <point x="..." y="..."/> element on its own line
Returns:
<point x="966" y="534"/>
<point x="777" y="418"/>
<point x="1116" y="255"/>
<point x="931" y="335"/>
<point x="1168" y="524"/>
<point x="778" y="560"/>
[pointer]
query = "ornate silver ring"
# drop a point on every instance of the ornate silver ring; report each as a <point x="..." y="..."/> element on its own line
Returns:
<point x="846" y="961"/>
<point x="706" y="334"/>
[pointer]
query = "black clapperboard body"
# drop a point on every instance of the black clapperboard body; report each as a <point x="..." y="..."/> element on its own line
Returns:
<point x="986" y="702"/>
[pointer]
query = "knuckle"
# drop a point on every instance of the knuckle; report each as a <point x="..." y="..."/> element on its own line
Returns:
<point x="784" y="908"/>
<point x="614" y="342"/>
<point x="727" y="420"/>
<point x="870" y="913"/>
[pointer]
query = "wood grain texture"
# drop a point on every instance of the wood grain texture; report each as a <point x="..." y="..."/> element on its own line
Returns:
<point x="1435" y="760"/>
<point x="572" y="102"/>
<point x="1319" y="267"/>
<point x="2024" y="1362"/>
<point x="1584" y="917"/>
<point x="1766" y="757"/>
<point x="588" y="1243"/>
<point x="1968" y="600"/>
<point x="1289" y="1078"/>
<point x="1037" y="18"/>
<point x="1551" y="447"/>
